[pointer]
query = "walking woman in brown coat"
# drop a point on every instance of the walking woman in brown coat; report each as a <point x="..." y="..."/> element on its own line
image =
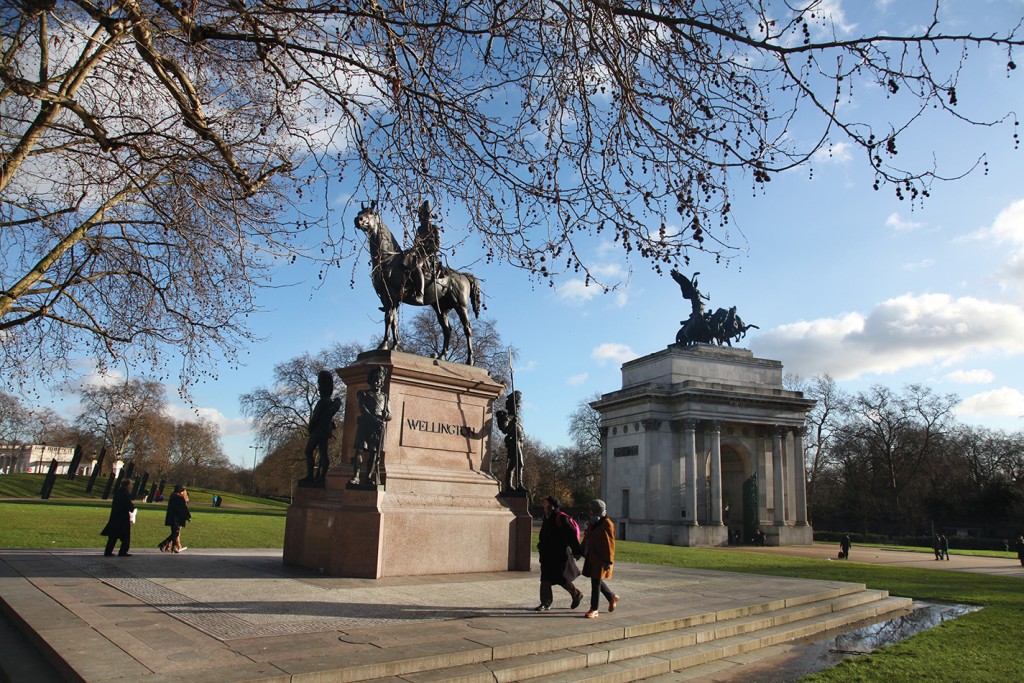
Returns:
<point x="177" y="516"/>
<point x="599" y="551"/>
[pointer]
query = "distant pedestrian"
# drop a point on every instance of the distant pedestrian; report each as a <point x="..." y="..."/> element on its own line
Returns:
<point x="943" y="546"/>
<point x="177" y="516"/>
<point x="119" y="524"/>
<point x="559" y="540"/>
<point x="844" y="547"/>
<point x="1020" y="550"/>
<point x="937" y="546"/>
<point x="599" y="551"/>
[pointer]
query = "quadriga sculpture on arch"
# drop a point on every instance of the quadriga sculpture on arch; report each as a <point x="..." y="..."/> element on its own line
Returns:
<point x="703" y="327"/>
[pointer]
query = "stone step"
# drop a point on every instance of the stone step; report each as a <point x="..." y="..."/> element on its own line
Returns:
<point x="639" y="651"/>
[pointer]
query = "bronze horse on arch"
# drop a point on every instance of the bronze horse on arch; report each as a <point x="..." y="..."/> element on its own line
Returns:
<point x="414" y="276"/>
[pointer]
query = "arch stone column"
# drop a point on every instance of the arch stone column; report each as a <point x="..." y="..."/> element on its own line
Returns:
<point x="778" y="480"/>
<point x="690" y="477"/>
<point x="800" y="473"/>
<point x="716" y="472"/>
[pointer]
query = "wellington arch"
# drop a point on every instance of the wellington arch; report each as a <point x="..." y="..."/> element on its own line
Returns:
<point x="703" y="446"/>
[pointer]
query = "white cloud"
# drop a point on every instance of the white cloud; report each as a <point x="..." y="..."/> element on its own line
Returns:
<point x="897" y="223"/>
<point x="838" y="153"/>
<point x="923" y="264"/>
<point x="1001" y="402"/>
<point x="577" y="291"/>
<point x="904" y="332"/>
<point x="576" y="380"/>
<point x="831" y="14"/>
<point x="1009" y="224"/>
<point x="971" y="376"/>
<point x="616" y="353"/>
<point x="608" y="271"/>
<point x="228" y="426"/>
<point x="612" y="275"/>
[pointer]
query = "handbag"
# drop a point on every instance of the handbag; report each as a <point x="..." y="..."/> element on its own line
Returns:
<point x="132" y="514"/>
<point x="572" y="570"/>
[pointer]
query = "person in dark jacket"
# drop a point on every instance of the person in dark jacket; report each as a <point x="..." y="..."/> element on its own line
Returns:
<point x="557" y="545"/>
<point x="177" y="516"/>
<point x="844" y="547"/>
<point x="599" y="550"/>
<point x="119" y="524"/>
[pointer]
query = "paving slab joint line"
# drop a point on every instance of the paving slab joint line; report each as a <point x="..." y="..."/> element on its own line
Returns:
<point x="42" y="647"/>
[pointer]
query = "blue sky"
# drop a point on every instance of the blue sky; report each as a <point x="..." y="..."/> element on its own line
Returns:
<point x="840" y="278"/>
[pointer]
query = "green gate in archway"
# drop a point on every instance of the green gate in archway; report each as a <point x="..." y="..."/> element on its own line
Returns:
<point x="751" y="516"/>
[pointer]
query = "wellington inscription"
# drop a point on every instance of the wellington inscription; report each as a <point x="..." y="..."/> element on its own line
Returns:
<point x="441" y="425"/>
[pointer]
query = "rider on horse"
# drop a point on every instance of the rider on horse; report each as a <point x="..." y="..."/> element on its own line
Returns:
<point x="421" y="260"/>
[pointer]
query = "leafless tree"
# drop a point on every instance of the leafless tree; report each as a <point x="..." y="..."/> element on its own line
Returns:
<point x="152" y="444"/>
<point x="422" y="335"/>
<point x="898" y="433"/>
<point x="115" y="412"/>
<point x="46" y="425"/>
<point x="156" y="156"/>
<point x="823" y="423"/>
<point x="196" y="448"/>
<point x="280" y="413"/>
<point x="13" y="419"/>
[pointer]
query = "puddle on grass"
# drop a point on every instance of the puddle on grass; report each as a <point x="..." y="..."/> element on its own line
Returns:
<point x="821" y="654"/>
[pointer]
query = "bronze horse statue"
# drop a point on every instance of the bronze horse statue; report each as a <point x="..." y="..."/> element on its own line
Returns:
<point x="703" y="327"/>
<point x="394" y="272"/>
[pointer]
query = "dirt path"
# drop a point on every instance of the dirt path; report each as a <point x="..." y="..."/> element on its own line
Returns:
<point x="996" y="566"/>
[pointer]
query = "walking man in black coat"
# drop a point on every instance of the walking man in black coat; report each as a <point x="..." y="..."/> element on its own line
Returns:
<point x="559" y="541"/>
<point x="119" y="525"/>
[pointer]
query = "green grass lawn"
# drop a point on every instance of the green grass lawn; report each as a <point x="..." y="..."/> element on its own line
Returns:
<point x="28" y="486"/>
<point x="983" y="646"/>
<point x="67" y="524"/>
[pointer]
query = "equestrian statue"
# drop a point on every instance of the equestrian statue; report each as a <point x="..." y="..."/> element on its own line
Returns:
<point x="415" y="276"/>
<point x="702" y="327"/>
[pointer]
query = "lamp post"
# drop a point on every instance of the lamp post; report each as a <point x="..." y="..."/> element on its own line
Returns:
<point x="255" y="452"/>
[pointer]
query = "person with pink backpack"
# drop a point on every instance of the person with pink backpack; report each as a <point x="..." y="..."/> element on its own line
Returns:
<point x="559" y="541"/>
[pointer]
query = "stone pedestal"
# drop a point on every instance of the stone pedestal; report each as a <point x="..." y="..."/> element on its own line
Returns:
<point x="437" y="510"/>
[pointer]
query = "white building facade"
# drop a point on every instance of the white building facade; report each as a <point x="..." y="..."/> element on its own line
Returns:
<point x="703" y="446"/>
<point x="36" y="458"/>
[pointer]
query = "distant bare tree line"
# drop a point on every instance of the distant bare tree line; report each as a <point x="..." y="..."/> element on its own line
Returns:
<point x="129" y="419"/>
<point x="898" y="462"/>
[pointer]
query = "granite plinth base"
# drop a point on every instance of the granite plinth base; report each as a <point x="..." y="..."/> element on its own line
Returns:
<point x="443" y="525"/>
<point x="437" y="510"/>
<point x="788" y="535"/>
<point x="673" y="533"/>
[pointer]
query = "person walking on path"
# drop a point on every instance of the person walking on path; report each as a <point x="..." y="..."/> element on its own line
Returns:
<point x="177" y="516"/>
<point x="943" y="546"/>
<point x="119" y="524"/>
<point x="937" y="547"/>
<point x="559" y="541"/>
<point x="1020" y="549"/>
<point x="844" y="547"/>
<point x="599" y="551"/>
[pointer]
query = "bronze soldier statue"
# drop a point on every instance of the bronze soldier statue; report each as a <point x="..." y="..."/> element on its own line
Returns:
<point x="321" y="428"/>
<point x="371" y="427"/>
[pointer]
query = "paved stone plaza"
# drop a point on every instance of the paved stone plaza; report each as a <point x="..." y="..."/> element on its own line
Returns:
<point x="241" y="615"/>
